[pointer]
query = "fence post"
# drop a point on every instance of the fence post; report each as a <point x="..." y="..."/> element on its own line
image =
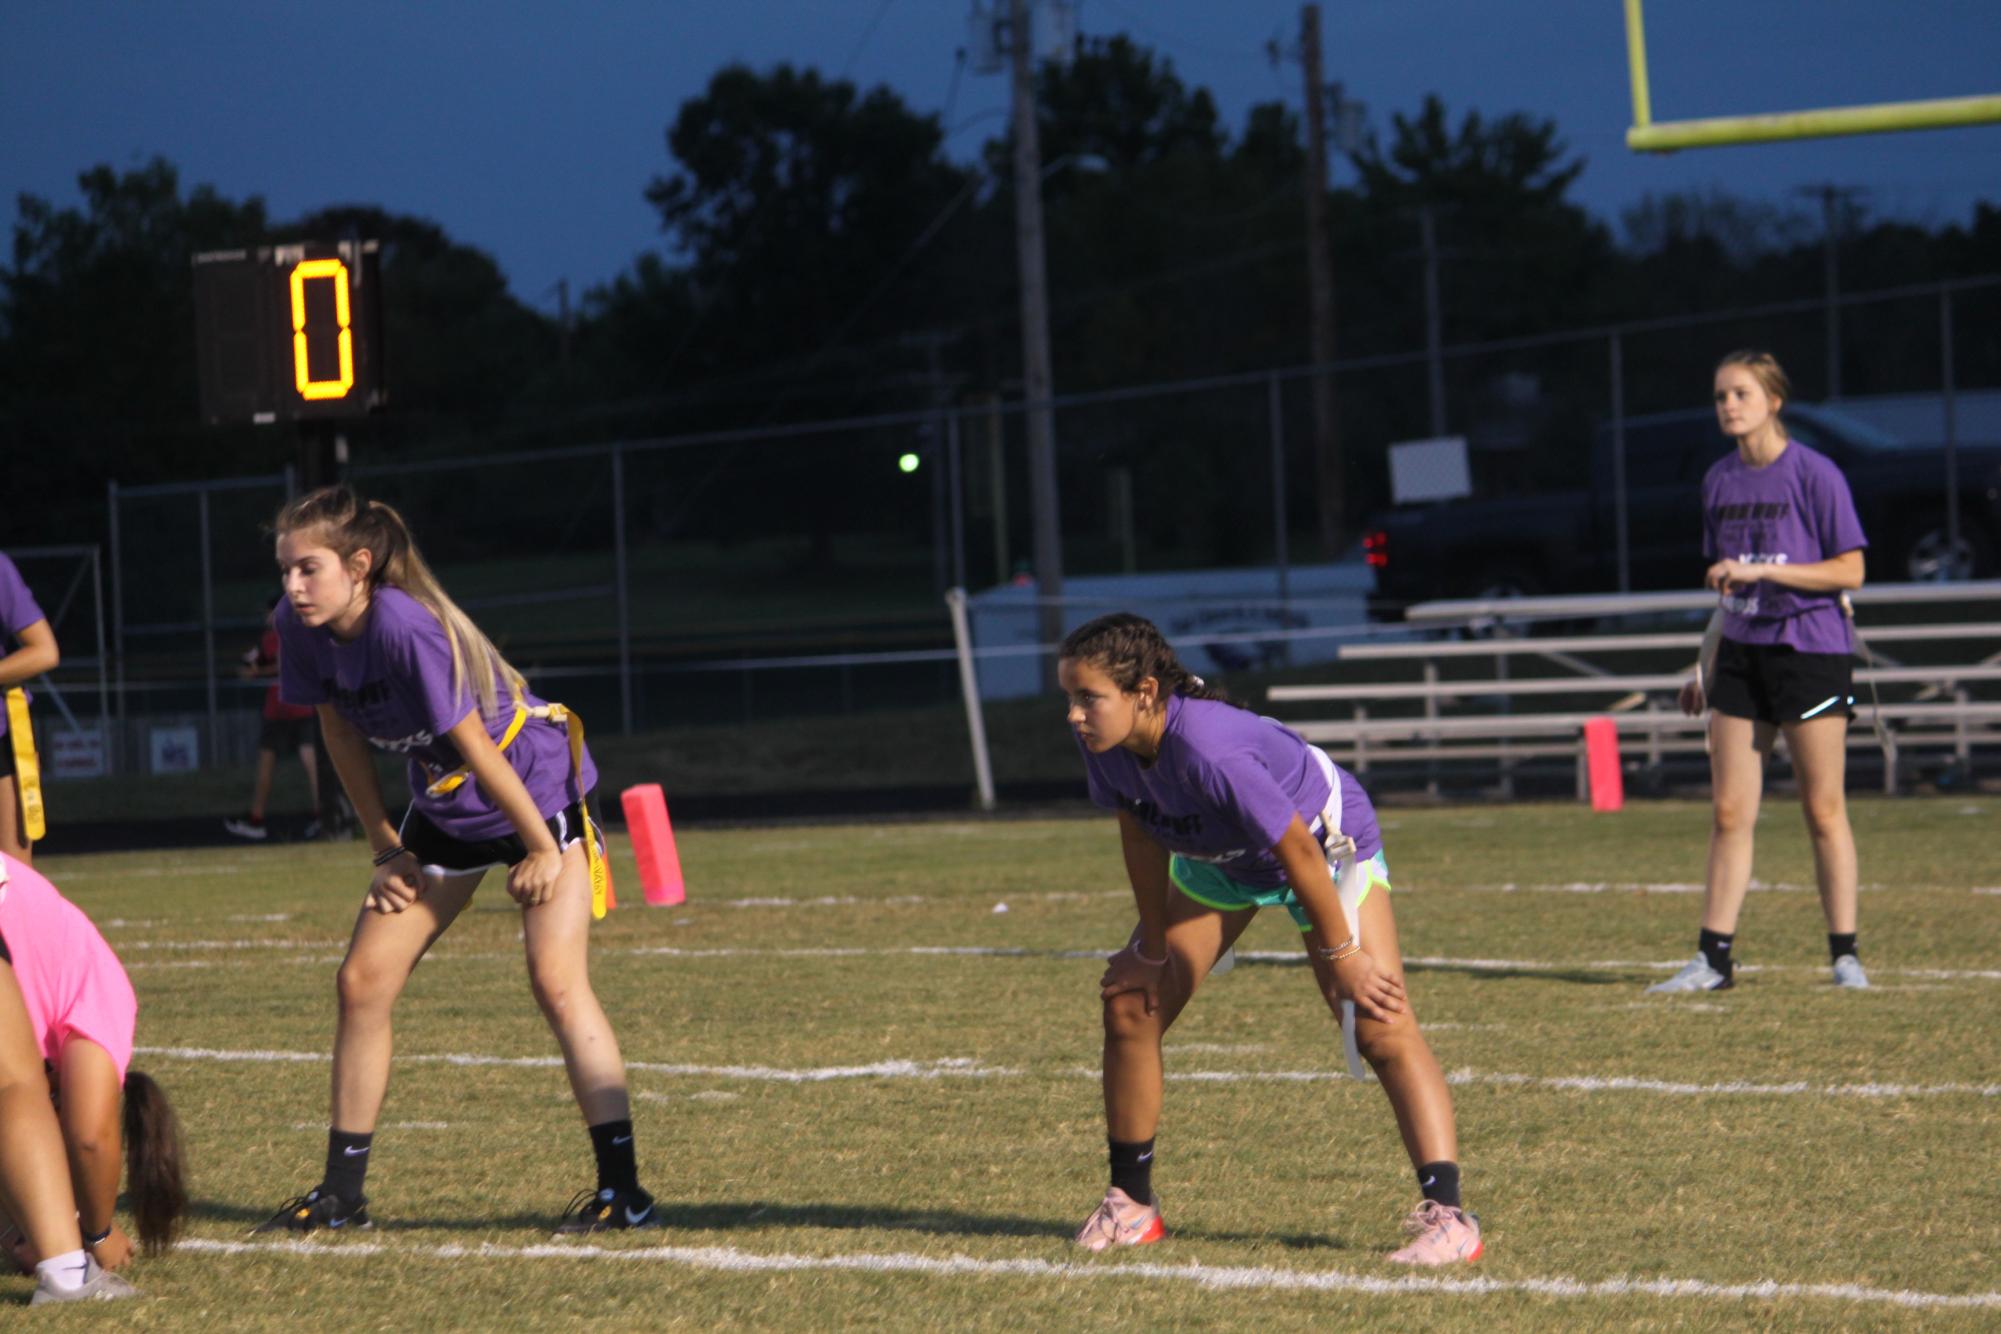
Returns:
<point x="103" y="657"/>
<point x="956" y="475"/>
<point x="117" y="623"/>
<point x="1620" y="518"/>
<point x="1281" y="537"/>
<point x="208" y="631"/>
<point x="1951" y="428"/>
<point x="969" y="687"/>
<point x="622" y="577"/>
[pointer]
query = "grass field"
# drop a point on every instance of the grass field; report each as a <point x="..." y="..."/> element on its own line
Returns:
<point x="865" y="1095"/>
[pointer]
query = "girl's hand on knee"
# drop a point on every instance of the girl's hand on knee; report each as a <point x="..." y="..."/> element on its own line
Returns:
<point x="396" y="885"/>
<point x="1376" y="994"/>
<point x="1128" y="971"/>
<point x="532" y="880"/>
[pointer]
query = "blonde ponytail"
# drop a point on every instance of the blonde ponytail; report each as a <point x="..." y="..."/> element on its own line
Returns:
<point x="348" y="525"/>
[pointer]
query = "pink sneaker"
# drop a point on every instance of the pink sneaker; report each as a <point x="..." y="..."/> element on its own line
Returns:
<point x="1441" y="1235"/>
<point x="1120" y="1220"/>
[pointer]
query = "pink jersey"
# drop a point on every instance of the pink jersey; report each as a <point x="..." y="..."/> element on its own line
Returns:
<point x="73" y="984"/>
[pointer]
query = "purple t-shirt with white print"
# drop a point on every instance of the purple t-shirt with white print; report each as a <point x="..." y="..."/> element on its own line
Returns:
<point x="18" y="611"/>
<point x="393" y="683"/>
<point x="1224" y="789"/>
<point x="1795" y="510"/>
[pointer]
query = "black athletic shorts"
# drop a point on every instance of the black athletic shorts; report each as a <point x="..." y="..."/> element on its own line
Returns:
<point x="6" y="754"/>
<point x="1776" y="683"/>
<point x="439" y="851"/>
<point x="282" y="736"/>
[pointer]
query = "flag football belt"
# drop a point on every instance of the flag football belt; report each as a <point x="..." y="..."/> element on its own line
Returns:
<point x="564" y="717"/>
<point x="27" y="766"/>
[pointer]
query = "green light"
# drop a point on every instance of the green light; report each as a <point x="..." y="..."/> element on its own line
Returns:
<point x="907" y="463"/>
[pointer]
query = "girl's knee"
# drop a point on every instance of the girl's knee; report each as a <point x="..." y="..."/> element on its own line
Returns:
<point x="1826" y="813"/>
<point x="1383" y="1044"/>
<point x="361" y="985"/>
<point x="1734" y="815"/>
<point x="557" y="989"/>
<point x="1126" y="1017"/>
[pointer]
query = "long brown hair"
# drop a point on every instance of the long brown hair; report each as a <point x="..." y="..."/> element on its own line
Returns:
<point x="347" y="524"/>
<point x="1129" y="648"/>
<point x="153" y="1156"/>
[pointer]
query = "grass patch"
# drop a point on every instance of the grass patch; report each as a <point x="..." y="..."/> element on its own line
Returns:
<point x="803" y="949"/>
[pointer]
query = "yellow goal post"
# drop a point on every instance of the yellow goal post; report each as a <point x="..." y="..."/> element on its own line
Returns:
<point x="1647" y="136"/>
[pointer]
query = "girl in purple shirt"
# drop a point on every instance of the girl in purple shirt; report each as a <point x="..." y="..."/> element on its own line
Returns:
<point x="1222" y="812"/>
<point x="34" y="652"/>
<point x="1779" y="527"/>
<point x="372" y="641"/>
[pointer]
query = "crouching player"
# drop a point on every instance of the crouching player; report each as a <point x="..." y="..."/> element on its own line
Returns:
<point x="370" y="638"/>
<point x="80" y="1013"/>
<point x="1222" y="812"/>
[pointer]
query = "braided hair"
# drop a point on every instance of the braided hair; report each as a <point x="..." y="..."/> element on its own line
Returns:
<point x="1128" y="648"/>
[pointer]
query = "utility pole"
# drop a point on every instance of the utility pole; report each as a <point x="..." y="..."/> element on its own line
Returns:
<point x="1434" y="319"/>
<point x="1038" y="380"/>
<point x="1834" y="200"/>
<point x="1320" y="290"/>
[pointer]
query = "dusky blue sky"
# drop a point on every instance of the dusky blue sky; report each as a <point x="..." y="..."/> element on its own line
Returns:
<point x="531" y="129"/>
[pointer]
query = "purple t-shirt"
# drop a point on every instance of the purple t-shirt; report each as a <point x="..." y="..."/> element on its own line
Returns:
<point x="1225" y="787"/>
<point x="393" y="683"/>
<point x="1793" y="511"/>
<point x="18" y="611"/>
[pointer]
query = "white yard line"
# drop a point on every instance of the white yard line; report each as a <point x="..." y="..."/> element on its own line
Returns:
<point x="447" y="955"/>
<point x="949" y="1067"/>
<point x="965" y="1067"/>
<point x="1215" y="1278"/>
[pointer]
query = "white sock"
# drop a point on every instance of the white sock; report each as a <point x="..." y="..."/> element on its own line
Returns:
<point x="64" y="1272"/>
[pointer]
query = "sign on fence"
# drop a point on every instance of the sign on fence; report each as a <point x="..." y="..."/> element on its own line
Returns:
<point x="84" y="753"/>
<point x="176" y="750"/>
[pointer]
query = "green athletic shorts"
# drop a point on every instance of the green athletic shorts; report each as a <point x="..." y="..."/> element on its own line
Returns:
<point x="1208" y="886"/>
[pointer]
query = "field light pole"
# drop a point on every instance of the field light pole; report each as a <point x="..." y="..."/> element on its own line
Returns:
<point x="1038" y="380"/>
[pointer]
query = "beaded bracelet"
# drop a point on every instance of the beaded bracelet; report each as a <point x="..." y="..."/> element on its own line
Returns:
<point x="388" y="855"/>
<point x="1336" y="953"/>
<point x="1141" y="956"/>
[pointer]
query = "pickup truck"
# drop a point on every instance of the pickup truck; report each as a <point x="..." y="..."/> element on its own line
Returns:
<point x="1566" y="541"/>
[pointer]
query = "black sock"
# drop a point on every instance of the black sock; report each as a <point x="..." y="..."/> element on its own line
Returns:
<point x="347" y="1163"/>
<point x="1440" y="1182"/>
<point x="618" y="1163"/>
<point x="1840" y="943"/>
<point x="1132" y="1168"/>
<point x="1715" y="947"/>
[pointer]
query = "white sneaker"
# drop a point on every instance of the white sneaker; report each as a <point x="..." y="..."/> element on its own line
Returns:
<point x="99" y="1285"/>
<point x="246" y="828"/>
<point x="1695" y="975"/>
<point x="1848" y="973"/>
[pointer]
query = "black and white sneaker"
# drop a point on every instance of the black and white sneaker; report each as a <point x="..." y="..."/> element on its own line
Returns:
<point x="607" y="1210"/>
<point x="318" y="1208"/>
<point x="245" y="827"/>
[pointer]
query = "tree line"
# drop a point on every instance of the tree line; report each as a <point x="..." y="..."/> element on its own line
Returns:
<point x="823" y="257"/>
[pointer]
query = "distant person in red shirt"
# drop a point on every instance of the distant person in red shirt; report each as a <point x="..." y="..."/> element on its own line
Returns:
<point x="286" y="727"/>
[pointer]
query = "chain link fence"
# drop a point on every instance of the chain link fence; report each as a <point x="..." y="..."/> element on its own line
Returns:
<point x="797" y="571"/>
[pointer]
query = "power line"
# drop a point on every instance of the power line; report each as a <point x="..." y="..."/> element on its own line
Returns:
<point x="861" y="43"/>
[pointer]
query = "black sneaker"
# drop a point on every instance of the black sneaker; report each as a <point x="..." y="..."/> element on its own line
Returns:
<point x="317" y="1208"/>
<point x="607" y="1210"/>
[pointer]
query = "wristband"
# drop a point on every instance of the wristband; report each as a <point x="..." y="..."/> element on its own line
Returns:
<point x="98" y="1239"/>
<point x="390" y="854"/>
<point x="1336" y="953"/>
<point x="1140" y="954"/>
